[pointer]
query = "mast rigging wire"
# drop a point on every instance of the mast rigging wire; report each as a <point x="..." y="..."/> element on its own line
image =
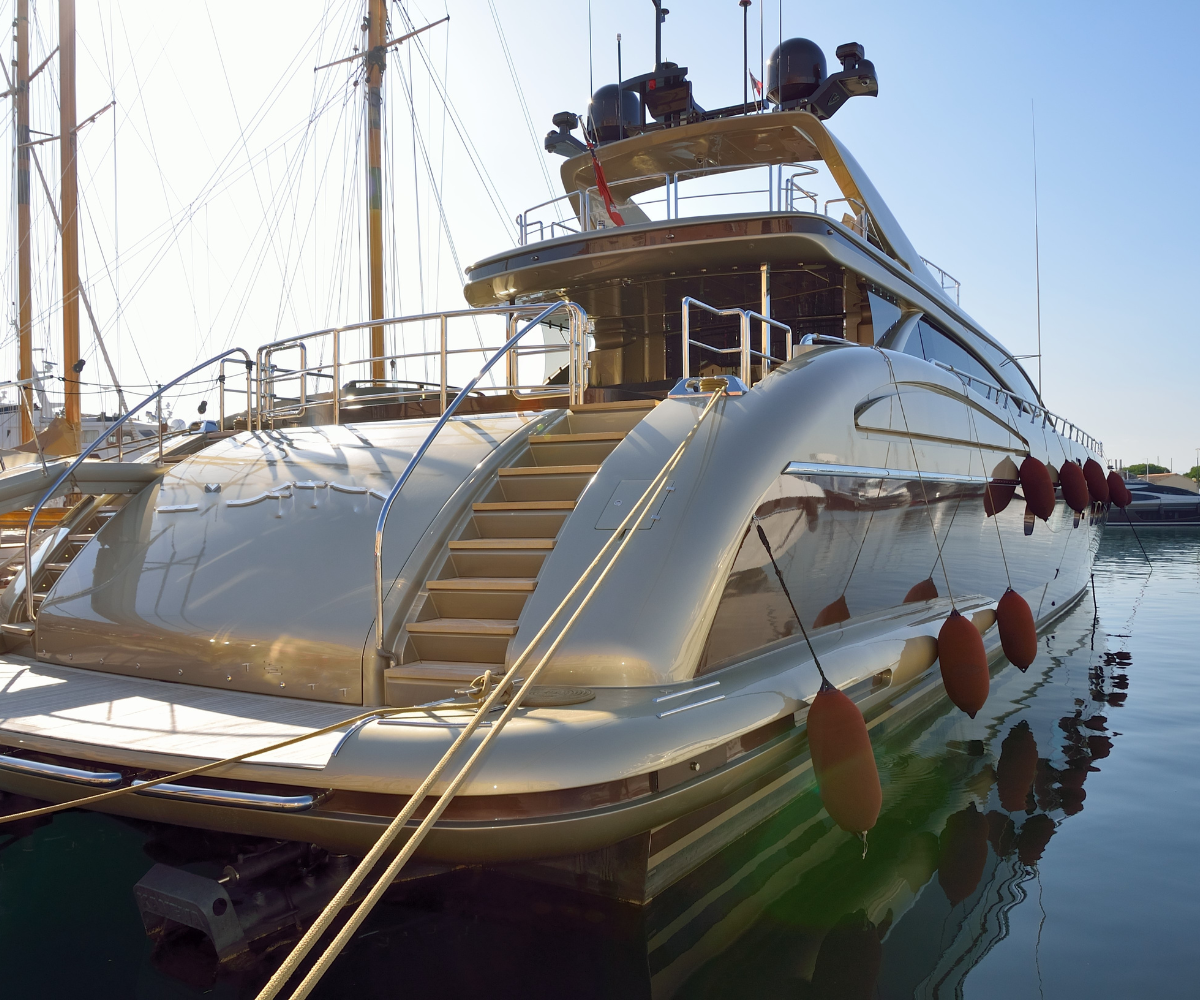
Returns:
<point x="539" y="152"/>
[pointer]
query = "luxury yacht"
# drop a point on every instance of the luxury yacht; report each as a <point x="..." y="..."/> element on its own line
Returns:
<point x="1157" y="505"/>
<point x="709" y="446"/>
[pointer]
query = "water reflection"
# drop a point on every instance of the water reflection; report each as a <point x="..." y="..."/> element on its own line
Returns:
<point x="970" y="812"/>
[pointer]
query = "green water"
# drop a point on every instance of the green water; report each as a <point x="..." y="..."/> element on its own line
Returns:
<point x="1083" y="888"/>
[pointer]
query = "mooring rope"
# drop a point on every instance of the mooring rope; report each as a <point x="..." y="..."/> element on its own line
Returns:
<point x="624" y="534"/>
<point x="91" y="800"/>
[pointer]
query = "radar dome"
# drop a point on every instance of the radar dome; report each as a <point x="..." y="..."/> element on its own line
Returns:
<point x="795" y="71"/>
<point x="609" y="118"/>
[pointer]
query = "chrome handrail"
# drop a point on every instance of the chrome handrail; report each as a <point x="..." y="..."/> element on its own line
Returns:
<point x="1034" y="410"/>
<point x="154" y="396"/>
<point x="578" y="323"/>
<point x="780" y="190"/>
<point x="943" y="277"/>
<point x="266" y="410"/>
<point x="744" y="351"/>
<point x="1049" y="419"/>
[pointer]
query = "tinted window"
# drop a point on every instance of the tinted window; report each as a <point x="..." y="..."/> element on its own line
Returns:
<point x="931" y="344"/>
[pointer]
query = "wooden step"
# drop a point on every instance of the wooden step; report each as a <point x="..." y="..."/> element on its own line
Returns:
<point x="81" y="539"/>
<point x="550" y="470"/>
<point x="464" y="626"/>
<point x="524" y="505"/>
<point x="57" y="567"/>
<point x="514" y="584"/>
<point x="521" y="544"/>
<point x="437" y="670"/>
<point x="582" y="436"/>
<point x="621" y="404"/>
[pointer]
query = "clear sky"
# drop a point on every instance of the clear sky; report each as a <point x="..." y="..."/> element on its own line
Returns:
<point x="235" y="211"/>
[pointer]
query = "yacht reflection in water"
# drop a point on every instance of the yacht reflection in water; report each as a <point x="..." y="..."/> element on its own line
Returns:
<point x="970" y="809"/>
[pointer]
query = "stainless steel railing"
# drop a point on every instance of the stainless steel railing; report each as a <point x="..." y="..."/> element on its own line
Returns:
<point x="782" y="193"/>
<point x="270" y="377"/>
<point x="1035" y="412"/>
<point x="154" y="397"/>
<point x="745" y="352"/>
<point x="578" y="321"/>
<point x="947" y="281"/>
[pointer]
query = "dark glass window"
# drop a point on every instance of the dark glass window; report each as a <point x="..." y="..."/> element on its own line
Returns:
<point x="928" y="342"/>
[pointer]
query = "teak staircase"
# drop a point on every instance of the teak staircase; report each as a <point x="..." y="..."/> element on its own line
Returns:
<point x="473" y="601"/>
<point x="81" y="524"/>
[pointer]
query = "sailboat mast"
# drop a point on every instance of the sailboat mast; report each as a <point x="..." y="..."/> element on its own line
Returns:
<point x="376" y="62"/>
<point x="70" y="215"/>
<point x="24" y="264"/>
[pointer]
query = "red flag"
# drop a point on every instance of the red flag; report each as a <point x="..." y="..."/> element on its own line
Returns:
<point x="610" y="206"/>
<point x="757" y="84"/>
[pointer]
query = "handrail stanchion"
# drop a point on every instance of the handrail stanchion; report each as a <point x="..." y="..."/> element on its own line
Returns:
<point x="743" y="350"/>
<point x="442" y="337"/>
<point x="36" y="441"/>
<point x="744" y="359"/>
<point x="158" y="414"/>
<point x="258" y="388"/>
<point x="511" y="363"/>
<point x="382" y="655"/>
<point x="576" y="335"/>
<point x="337" y="377"/>
<point x="37" y="508"/>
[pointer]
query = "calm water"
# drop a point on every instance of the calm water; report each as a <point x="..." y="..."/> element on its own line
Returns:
<point x="1087" y="887"/>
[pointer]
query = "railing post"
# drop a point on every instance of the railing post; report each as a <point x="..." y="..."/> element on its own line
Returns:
<point x="337" y="379"/>
<point x="765" y="309"/>
<point x="687" y="338"/>
<point x="442" y="351"/>
<point x="744" y="321"/>
<point x="510" y="361"/>
<point x="158" y="406"/>
<point x="220" y="399"/>
<point x="304" y="377"/>
<point x="572" y="358"/>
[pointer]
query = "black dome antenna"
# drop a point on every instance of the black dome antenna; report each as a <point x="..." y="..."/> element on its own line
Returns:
<point x="796" y="77"/>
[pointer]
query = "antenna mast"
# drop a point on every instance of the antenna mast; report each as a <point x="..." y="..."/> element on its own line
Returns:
<point x="70" y="214"/>
<point x="660" y="15"/>
<point x="745" y="5"/>
<point x="24" y="271"/>
<point x="376" y="63"/>
<point x="1037" y="246"/>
